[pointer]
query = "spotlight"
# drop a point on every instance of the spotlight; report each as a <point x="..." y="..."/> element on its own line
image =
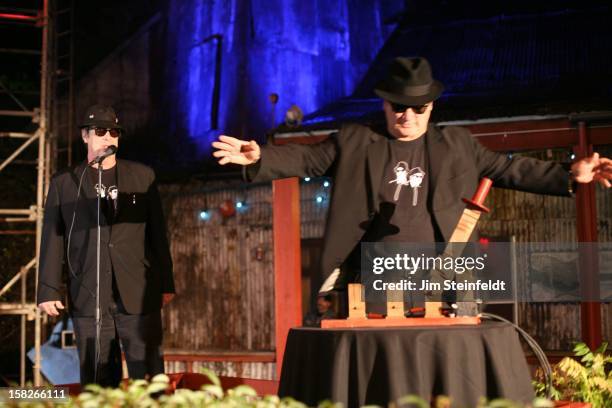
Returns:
<point x="204" y="215"/>
<point x="307" y="179"/>
<point x="572" y="156"/>
<point x="239" y="204"/>
<point x="319" y="199"/>
<point x="326" y="184"/>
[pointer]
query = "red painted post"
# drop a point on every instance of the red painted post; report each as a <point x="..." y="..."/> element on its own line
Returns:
<point x="287" y="262"/>
<point x="586" y="224"/>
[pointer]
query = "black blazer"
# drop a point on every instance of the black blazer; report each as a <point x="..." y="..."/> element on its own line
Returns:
<point x="356" y="156"/>
<point x="135" y="247"/>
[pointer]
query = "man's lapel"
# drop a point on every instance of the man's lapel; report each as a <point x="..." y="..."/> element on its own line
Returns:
<point x="438" y="157"/>
<point x="88" y="191"/>
<point x="121" y="185"/>
<point x="377" y="157"/>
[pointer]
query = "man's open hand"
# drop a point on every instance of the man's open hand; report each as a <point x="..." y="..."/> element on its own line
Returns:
<point x="232" y="150"/>
<point x="593" y="168"/>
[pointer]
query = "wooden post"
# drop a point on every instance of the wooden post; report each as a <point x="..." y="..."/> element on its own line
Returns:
<point x="287" y="262"/>
<point x="586" y="224"/>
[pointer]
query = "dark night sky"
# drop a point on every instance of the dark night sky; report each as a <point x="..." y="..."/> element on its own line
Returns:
<point x="99" y="27"/>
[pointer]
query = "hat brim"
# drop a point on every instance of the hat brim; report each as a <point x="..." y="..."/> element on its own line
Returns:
<point x="434" y="93"/>
<point x="102" y="124"/>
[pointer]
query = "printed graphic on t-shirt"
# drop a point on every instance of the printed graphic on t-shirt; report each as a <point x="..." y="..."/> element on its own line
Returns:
<point x="113" y="192"/>
<point x="101" y="190"/>
<point x="407" y="177"/>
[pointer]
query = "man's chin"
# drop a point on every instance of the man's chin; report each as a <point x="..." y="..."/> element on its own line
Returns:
<point x="408" y="132"/>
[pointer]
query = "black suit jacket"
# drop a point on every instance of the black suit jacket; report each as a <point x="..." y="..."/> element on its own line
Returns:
<point x="135" y="246"/>
<point x="356" y="156"/>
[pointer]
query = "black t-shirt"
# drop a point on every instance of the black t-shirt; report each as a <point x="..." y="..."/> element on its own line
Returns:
<point x="108" y="190"/>
<point x="402" y="214"/>
<point x="108" y="206"/>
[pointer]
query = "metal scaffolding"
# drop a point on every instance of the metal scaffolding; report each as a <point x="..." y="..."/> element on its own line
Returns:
<point x="53" y="118"/>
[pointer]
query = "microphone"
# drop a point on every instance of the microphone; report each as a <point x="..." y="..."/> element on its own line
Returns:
<point x="110" y="150"/>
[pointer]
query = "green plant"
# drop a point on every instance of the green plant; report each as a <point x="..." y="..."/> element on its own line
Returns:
<point x="589" y="380"/>
<point x="144" y="394"/>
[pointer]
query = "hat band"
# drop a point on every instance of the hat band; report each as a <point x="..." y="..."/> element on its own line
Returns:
<point x="414" y="90"/>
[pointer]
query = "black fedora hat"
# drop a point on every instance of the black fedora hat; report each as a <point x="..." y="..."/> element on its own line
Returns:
<point x="409" y="82"/>
<point x="102" y="116"/>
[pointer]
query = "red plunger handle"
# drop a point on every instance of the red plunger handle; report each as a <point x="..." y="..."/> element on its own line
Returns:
<point x="478" y="199"/>
<point x="483" y="189"/>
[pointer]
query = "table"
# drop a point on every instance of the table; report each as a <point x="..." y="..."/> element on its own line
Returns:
<point x="375" y="366"/>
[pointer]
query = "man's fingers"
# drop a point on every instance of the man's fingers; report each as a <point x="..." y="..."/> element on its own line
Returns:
<point x="231" y="141"/>
<point x="50" y="310"/>
<point x="605" y="161"/>
<point x="604" y="182"/>
<point x="51" y="307"/>
<point x="605" y="172"/>
<point x="222" y="153"/>
<point x="224" y="161"/>
<point x="251" y="146"/>
<point x="223" y="146"/>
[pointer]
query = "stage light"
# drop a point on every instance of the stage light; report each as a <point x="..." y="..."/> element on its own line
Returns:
<point x="204" y="215"/>
<point x="294" y="116"/>
<point x="326" y="184"/>
<point x="239" y="204"/>
<point x="319" y="199"/>
<point x="307" y="179"/>
<point x="572" y="156"/>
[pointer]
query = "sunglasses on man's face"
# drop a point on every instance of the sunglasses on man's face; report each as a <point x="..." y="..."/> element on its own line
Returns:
<point x="115" y="133"/>
<point x="399" y="108"/>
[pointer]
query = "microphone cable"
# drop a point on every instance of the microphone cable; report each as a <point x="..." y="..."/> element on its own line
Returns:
<point x="535" y="348"/>
<point x="74" y="275"/>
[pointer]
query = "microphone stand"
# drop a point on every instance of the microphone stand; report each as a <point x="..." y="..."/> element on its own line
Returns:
<point x="98" y="319"/>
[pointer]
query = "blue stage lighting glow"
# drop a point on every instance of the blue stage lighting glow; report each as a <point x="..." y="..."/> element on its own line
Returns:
<point x="307" y="54"/>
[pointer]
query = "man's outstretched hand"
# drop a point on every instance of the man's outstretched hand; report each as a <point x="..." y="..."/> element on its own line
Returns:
<point x="232" y="150"/>
<point x="593" y="168"/>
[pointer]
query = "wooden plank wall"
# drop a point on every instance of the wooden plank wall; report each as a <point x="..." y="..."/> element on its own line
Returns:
<point x="223" y="270"/>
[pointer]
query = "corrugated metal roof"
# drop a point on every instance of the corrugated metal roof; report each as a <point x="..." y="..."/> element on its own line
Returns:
<point x="530" y="63"/>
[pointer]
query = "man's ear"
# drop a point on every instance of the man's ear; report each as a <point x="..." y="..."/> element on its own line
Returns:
<point x="84" y="135"/>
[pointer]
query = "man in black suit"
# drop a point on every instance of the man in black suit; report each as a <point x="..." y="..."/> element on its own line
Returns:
<point x="402" y="182"/>
<point x="135" y="265"/>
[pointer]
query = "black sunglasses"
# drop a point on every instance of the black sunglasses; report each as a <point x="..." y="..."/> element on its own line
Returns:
<point x="399" y="108"/>
<point x="115" y="133"/>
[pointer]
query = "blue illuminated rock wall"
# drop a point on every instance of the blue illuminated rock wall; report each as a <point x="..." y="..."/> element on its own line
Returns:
<point x="308" y="52"/>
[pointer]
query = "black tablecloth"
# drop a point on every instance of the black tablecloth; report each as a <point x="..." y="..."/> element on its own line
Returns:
<point x="375" y="366"/>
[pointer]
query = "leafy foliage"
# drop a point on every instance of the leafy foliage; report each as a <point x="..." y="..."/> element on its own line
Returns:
<point x="155" y="394"/>
<point x="588" y="380"/>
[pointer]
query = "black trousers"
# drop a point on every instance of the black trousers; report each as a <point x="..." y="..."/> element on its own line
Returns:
<point x="140" y="337"/>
